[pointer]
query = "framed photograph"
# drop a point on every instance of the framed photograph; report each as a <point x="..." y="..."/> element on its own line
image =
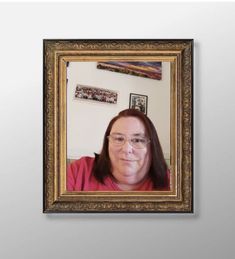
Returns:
<point x="139" y="102"/>
<point x="108" y="158"/>
<point x="95" y="94"/>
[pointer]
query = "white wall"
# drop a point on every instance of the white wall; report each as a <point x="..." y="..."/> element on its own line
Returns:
<point x="87" y="120"/>
<point x="25" y="232"/>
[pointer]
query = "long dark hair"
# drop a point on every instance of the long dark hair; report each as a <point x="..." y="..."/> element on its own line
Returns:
<point x="158" y="169"/>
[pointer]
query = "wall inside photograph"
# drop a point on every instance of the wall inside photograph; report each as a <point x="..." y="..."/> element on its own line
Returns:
<point x="87" y="120"/>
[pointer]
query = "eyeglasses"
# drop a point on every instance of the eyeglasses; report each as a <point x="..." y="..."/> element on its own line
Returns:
<point x="135" y="141"/>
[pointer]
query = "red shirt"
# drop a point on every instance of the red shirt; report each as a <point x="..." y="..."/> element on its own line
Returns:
<point x="80" y="178"/>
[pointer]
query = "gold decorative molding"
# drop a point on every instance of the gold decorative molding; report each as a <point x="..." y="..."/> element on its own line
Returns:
<point x="56" y="54"/>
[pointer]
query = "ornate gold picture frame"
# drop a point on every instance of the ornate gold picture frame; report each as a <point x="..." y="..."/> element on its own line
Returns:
<point x="57" y="55"/>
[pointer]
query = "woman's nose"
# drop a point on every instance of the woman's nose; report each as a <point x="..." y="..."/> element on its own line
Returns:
<point x="127" y="147"/>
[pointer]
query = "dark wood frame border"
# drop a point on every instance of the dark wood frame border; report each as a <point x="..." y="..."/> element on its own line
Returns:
<point x="56" y="54"/>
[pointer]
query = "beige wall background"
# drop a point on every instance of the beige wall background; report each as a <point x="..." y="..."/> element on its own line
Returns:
<point x="25" y="232"/>
<point x="87" y="120"/>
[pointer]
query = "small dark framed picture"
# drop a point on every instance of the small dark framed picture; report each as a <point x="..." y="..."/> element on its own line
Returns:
<point x="139" y="102"/>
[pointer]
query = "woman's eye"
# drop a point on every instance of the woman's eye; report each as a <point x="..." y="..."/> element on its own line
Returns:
<point x="137" y="140"/>
<point x="119" y="139"/>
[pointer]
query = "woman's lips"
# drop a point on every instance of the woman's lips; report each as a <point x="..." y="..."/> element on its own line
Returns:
<point x="128" y="160"/>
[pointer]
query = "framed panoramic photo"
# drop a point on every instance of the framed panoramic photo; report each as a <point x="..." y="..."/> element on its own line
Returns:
<point x="118" y="126"/>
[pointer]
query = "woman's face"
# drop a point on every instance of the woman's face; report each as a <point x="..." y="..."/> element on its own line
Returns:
<point x="130" y="165"/>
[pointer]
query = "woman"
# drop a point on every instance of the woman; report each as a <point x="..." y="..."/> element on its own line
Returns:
<point x="131" y="159"/>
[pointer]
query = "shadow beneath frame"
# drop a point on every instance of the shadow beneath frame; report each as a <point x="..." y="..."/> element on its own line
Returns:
<point x="122" y="216"/>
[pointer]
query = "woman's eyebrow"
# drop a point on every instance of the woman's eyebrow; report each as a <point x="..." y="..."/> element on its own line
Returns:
<point x="134" y="135"/>
<point x="139" y="135"/>
<point x="117" y="133"/>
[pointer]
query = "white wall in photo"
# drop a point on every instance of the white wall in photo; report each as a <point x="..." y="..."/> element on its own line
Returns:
<point x="87" y="120"/>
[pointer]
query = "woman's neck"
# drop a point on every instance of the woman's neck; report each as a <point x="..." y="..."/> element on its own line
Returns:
<point x="130" y="187"/>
